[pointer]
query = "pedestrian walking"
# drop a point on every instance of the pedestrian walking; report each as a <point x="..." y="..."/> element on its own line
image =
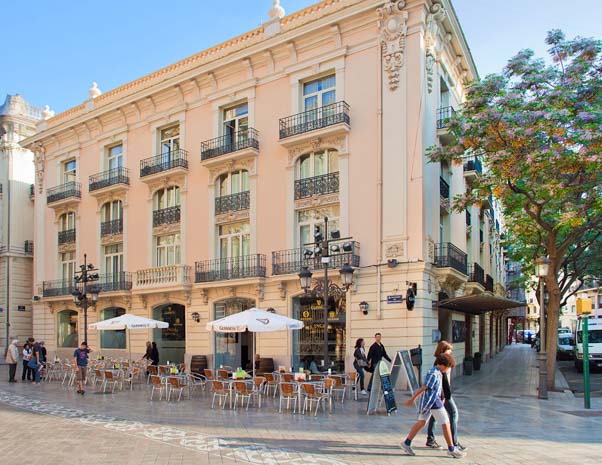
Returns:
<point x="376" y="353"/>
<point x="431" y="404"/>
<point x="27" y="372"/>
<point x="155" y="354"/>
<point x="149" y="350"/>
<point x="80" y="362"/>
<point x="12" y="358"/>
<point x="449" y="404"/>
<point x="37" y="360"/>
<point x="360" y="362"/>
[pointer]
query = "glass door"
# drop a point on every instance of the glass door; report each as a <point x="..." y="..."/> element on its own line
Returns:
<point x="236" y="123"/>
<point x="229" y="346"/>
<point x="170" y="144"/>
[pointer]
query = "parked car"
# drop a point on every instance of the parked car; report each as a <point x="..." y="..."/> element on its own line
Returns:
<point x="566" y="346"/>
<point x="565" y="331"/>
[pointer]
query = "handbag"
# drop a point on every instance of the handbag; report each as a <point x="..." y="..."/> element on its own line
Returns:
<point x="361" y="363"/>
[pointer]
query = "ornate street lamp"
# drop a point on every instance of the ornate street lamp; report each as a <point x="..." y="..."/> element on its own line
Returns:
<point x="85" y="296"/>
<point x="542" y="267"/>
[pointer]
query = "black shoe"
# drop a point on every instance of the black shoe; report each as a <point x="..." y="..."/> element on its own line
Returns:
<point x="79" y="391"/>
<point x="82" y="392"/>
<point x="434" y="445"/>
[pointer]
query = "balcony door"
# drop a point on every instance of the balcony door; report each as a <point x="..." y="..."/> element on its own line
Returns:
<point x="67" y="222"/>
<point x="112" y="211"/>
<point x="307" y="220"/>
<point x="236" y="123"/>
<point x="166" y="198"/>
<point x="115" y="157"/>
<point x="167" y="250"/>
<point x="234" y="245"/>
<point x="113" y="263"/>
<point x="233" y="183"/>
<point x="69" y="171"/>
<point x="67" y="260"/>
<point x="169" y="143"/>
<point x="318" y="94"/>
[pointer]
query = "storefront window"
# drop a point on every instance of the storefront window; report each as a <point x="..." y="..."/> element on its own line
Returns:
<point x="112" y="339"/>
<point x="67" y="329"/>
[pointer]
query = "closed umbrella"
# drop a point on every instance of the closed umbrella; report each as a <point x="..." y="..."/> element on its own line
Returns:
<point x="129" y="322"/>
<point x="254" y="320"/>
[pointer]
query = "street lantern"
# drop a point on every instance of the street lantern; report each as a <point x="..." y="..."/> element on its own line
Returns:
<point x="305" y="278"/>
<point x="542" y="266"/>
<point x="346" y="275"/>
<point x="88" y="294"/>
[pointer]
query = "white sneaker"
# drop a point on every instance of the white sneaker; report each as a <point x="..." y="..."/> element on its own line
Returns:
<point x="408" y="449"/>
<point x="364" y="392"/>
<point x="456" y="453"/>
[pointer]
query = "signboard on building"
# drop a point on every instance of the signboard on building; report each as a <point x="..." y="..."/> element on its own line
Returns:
<point x="394" y="299"/>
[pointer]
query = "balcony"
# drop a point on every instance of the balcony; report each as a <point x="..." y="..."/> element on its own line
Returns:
<point x="169" y="215"/>
<point x="443" y="116"/>
<point x="324" y="121"/>
<point x="65" y="194"/>
<point x="487" y="204"/>
<point x="468" y="219"/>
<point x="58" y="288"/>
<point x="112" y="180"/>
<point x="230" y="147"/>
<point x="111" y="228"/>
<point x="164" y="166"/>
<point x="232" y="203"/>
<point x="488" y="283"/>
<point x="476" y="274"/>
<point x="225" y="269"/>
<point x="66" y="237"/>
<point x="448" y="255"/>
<point x="293" y="260"/>
<point x="114" y="282"/>
<point x="444" y="195"/>
<point x="161" y="277"/>
<point x="317" y="185"/>
<point x="472" y="168"/>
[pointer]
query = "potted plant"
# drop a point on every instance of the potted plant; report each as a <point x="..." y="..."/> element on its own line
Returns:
<point x="468" y="361"/>
<point x="478" y="358"/>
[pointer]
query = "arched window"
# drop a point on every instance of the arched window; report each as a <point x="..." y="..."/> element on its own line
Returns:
<point x="166" y="197"/>
<point x="112" y="339"/>
<point x="317" y="164"/>
<point x="67" y="329"/>
<point x="232" y="183"/>
<point x="112" y="211"/>
<point x="67" y="221"/>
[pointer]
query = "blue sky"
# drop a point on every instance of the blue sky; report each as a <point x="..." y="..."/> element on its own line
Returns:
<point x="53" y="50"/>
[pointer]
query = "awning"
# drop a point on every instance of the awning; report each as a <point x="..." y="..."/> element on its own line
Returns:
<point x="478" y="303"/>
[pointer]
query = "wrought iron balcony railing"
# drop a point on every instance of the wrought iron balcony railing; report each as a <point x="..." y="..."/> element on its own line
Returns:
<point x="64" y="191"/>
<point x="317" y="118"/>
<point x="443" y="116"/>
<point x="476" y="274"/>
<point x="443" y="188"/>
<point x="317" y="185"/>
<point x="168" y="215"/>
<point x="294" y="260"/>
<point x="473" y="164"/>
<point x="229" y="143"/>
<point x="448" y="255"/>
<point x="112" y="282"/>
<point x="488" y="283"/>
<point x="164" y="162"/>
<point x="224" y="269"/>
<point x="108" y="178"/>
<point x="111" y="227"/>
<point x="232" y="202"/>
<point x="58" y="287"/>
<point x="66" y="237"/>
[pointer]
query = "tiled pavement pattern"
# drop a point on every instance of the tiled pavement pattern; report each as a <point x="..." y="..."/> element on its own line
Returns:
<point x="501" y="421"/>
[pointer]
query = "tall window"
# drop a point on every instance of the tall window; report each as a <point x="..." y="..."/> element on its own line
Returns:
<point x="317" y="164"/>
<point x="67" y="260"/>
<point x="170" y="142"/>
<point x="114" y="260"/>
<point x="234" y="240"/>
<point x="167" y="250"/>
<point x="233" y="183"/>
<point x="67" y="329"/>
<point x="69" y="171"/>
<point x="112" y="211"/>
<point x="319" y="92"/>
<point x="167" y="197"/>
<point x="115" y="157"/>
<point x="307" y="220"/>
<point x="112" y="339"/>
<point x="236" y="119"/>
<point x="67" y="221"/>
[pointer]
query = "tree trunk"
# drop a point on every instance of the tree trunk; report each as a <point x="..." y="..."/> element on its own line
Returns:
<point x="552" y="312"/>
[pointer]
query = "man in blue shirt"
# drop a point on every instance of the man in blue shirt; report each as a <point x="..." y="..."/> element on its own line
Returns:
<point x="80" y="362"/>
<point x="431" y="404"/>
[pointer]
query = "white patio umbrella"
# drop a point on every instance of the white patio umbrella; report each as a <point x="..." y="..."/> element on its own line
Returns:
<point x="129" y="322"/>
<point x="254" y="320"/>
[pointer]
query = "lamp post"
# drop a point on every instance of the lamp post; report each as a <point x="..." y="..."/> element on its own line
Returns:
<point x="87" y="296"/>
<point x="542" y="266"/>
<point x="322" y="250"/>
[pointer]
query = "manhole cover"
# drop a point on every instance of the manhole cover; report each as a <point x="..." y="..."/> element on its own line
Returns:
<point x="585" y="413"/>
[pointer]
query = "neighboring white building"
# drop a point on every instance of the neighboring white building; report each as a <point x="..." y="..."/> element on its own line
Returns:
<point x="592" y="288"/>
<point x="18" y="120"/>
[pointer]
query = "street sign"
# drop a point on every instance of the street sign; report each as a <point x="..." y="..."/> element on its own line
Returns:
<point x="394" y="299"/>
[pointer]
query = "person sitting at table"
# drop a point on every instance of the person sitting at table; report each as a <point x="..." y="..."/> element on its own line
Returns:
<point x="311" y="365"/>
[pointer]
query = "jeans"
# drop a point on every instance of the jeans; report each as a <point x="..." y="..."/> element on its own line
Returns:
<point x="452" y="412"/>
<point x="12" y="369"/>
<point x="27" y="372"/>
<point x="360" y="373"/>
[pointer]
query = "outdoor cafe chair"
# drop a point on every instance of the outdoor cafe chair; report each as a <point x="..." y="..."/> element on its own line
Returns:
<point x="208" y="374"/>
<point x="220" y="390"/>
<point x="339" y="386"/>
<point x="288" y="392"/>
<point x="112" y="379"/>
<point x="98" y="377"/>
<point x="68" y="374"/>
<point x="152" y="371"/>
<point x="132" y="376"/>
<point x="223" y="374"/>
<point x="258" y="388"/>
<point x="175" y="383"/>
<point x="196" y="380"/>
<point x="312" y="395"/>
<point x="270" y="383"/>
<point x="241" y="389"/>
<point x="182" y="367"/>
<point x="351" y="383"/>
<point x="164" y="370"/>
<point x="158" y="385"/>
<point x="288" y="377"/>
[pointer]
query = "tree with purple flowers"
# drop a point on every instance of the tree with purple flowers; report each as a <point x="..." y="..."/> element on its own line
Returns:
<point x="537" y="128"/>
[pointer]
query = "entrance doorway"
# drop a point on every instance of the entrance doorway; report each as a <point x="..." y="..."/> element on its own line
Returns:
<point x="233" y="349"/>
<point x="171" y="342"/>
<point x="309" y="344"/>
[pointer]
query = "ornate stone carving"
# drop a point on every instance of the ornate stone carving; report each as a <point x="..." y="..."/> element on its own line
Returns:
<point x="282" y="289"/>
<point x="392" y="22"/>
<point x="430" y="250"/>
<point x="232" y="217"/>
<point x="231" y="291"/>
<point x="338" y="143"/>
<point x="108" y="239"/>
<point x="432" y="44"/>
<point x="70" y="247"/>
<point x="204" y="296"/>
<point x="249" y="164"/>
<point x="317" y="201"/>
<point x="260" y="291"/>
<point x="39" y="152"/>
<point x="166" y="229"/>
<point x="395" y="250"/>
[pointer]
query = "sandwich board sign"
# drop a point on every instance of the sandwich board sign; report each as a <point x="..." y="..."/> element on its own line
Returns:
<point x="403" y="375"/>
<point x="382" y="388"/>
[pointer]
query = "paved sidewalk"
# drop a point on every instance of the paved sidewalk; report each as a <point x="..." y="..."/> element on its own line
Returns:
<point x="501" y="420"/>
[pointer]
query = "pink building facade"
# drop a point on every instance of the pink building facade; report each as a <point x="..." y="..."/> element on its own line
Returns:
<point x="197" y="191"/>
